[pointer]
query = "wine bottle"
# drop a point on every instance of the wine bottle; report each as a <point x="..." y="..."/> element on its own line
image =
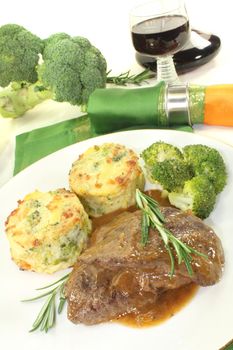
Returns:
<point x="200" y="49"/>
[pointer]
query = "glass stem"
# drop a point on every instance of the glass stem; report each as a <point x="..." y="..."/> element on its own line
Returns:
<point x="166" y="70"/>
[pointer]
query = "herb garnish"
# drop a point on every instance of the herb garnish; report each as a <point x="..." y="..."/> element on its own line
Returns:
<point x="127" y="78"/>
<point x="47" y="316"/>
<point x="152" y="217"/>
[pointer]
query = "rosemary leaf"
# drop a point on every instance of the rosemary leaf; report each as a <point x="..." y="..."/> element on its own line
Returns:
<point x="145" y="229"/>
<point x="172" y="259"/>
<point x="42" y="315"/>
<point x="40" y="296"/>
<point x="187" y="261"/>
<point x="62" y="298"/>
<point x="47" y="315"/>
<point x="51" y="314"/>
<point x="61" y="304"/>
<point x="54" y="283"/>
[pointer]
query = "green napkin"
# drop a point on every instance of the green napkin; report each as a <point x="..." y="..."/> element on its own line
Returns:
<point x="36" y="144"/>
<point x="117" y="108"/>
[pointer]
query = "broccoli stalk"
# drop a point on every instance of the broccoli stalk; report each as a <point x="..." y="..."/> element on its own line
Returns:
<point x="18" y="98"/>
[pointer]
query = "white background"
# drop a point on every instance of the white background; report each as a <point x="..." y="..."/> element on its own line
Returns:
<point x="106" y="24"/>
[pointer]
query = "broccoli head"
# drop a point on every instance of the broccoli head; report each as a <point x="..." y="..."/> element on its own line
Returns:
<point x="19" y="54"/>
<point x="73" y="68"/>
<point x="160" y="151"/>
<point x="165" y="166"/>
<point x="207" y="161"/>
<point x="198" y="195"/>
<point x="171" y="174"/>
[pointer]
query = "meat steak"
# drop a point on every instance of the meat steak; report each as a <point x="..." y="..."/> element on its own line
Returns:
<point x="117" y="275"/>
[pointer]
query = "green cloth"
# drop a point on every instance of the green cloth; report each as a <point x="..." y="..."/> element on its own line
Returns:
<point x="117" y="108"/>
<point x="36" y="144"/>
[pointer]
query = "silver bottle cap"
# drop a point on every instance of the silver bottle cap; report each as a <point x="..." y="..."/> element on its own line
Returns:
<point x="177" y="104"/>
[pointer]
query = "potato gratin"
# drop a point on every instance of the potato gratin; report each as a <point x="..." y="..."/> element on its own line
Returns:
<point x="47" y="231"/>
<point x="105" y="178"/>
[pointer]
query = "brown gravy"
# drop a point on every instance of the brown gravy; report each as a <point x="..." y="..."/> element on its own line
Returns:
<point x="169" y="302"/>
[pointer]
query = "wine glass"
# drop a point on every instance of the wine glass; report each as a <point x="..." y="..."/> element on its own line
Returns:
<point x="160" y="28"/>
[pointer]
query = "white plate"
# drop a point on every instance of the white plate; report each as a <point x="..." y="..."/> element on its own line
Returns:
<point x="204" y="324"/>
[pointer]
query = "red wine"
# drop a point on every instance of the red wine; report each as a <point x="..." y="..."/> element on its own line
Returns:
<point x="200" y="49"/>
<point x="149" y="39"/>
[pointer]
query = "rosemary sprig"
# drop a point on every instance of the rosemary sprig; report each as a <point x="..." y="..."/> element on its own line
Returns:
<point x="47" y="316"/>
<point x="127" y="78"/>
<point x="152" y="217"/>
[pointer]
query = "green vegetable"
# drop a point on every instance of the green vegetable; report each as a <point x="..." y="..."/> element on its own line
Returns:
<point x="171" y="174"/>
<point x="191" y="178"/>
<point x="207" y="161"/>
<point x="198" y="195"/>
<point x="165" y="166"/>
<point x="18" y="98"/>
<point x="19" y="54"/>
<point x="160" y="151"/>
<point x="152" y="217"/>
<point x="61" y="67"/>
<point x="73" y="68"/>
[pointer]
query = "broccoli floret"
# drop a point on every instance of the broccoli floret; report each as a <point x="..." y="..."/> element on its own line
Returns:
<point x="165" y="166"/>
<point x="171" y="174"/>
<point x="160" y="151"/>
<point x="50" y="41"/>
<point x="19" y="54"/>
<point x="207" y="161"/>
<point x="198" y="196"/>
<point x="72" y="68"/>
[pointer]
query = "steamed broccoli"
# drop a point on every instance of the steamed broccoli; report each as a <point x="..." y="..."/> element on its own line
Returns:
<point x="165" y="166"/>
<point x="198" y="195"/>
<point x="160" y="151"/>
<point x="192" y="178"/>
<point x="170" y="174"/>
<point x="19" y="54"/>
<point x="207" y="161"/>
